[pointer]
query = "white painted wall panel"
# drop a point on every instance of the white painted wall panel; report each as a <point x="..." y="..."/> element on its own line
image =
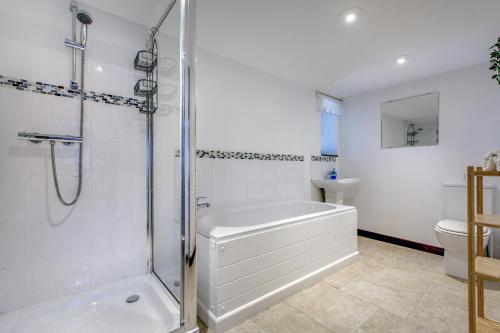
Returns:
<point x="232" y="251"/>
<point x="282" y="281"/>
<point x="234" y="288"/>
<point x="243" y="268"/>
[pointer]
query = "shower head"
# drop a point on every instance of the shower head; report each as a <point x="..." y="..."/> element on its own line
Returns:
<point x="84" y="17"/>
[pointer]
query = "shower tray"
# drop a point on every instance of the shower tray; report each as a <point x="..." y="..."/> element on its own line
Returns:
<point x="101" y="310"/>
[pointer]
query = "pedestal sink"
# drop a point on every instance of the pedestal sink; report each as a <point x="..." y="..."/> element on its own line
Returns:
<point x="338" y="191"/>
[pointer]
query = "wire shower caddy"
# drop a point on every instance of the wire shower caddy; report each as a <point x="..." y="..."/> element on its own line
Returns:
<point x="147" y="61"/>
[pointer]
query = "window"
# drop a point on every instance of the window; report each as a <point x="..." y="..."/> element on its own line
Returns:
<point x="330" y="109"/>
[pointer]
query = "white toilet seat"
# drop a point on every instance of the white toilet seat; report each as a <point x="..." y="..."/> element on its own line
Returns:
<point x="457" y="228"/>
<point x="452" y="235"/>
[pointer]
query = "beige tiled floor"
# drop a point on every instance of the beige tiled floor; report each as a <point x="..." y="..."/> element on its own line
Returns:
<point x="389" y="289"/>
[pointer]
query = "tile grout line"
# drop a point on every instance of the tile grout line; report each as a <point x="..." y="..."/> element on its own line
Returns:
<point x="375" y="310"/>
<point x="419" y="300"/>
<point x="314" y="320"/>
<point x="390" y="267"/>
<point x="305" y="314"/>
<point x="256" y="324"/>
<point x="366" y="319"/>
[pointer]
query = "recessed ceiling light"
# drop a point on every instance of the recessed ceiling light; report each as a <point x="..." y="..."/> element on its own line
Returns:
<point x="99" y="69"/>
<point x="350" y="18"/>
<point x="351" y="15"/>
<point x="402" y="60"/>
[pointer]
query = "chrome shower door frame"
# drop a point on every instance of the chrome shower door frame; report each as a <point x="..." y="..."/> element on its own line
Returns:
<point x="188" y="296"/>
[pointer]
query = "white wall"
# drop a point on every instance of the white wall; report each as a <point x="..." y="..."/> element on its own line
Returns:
<point x="242" y="109"/>
<point x="401" y="188"/>
<point x="48" y="250"/>
<point x="232" y="183"/>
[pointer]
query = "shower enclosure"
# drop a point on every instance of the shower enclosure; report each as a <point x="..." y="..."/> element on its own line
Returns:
<point x="171" y="128"/>
<point x="120" y="256"/>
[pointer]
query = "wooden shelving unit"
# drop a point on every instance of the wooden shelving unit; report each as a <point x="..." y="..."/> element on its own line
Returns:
<point x="486" y="326"/>
<point x="488" y="268"/>
<point x="492" y="221"/>
<point x="480" y="268"/>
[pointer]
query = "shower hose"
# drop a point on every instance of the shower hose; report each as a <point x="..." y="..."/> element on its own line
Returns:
<point x="80" y="154"/>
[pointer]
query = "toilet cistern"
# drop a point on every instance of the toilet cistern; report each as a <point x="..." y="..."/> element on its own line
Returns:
<point x="338" y="190"/>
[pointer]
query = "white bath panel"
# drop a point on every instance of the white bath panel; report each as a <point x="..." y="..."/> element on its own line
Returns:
<point x="250" y="258"/>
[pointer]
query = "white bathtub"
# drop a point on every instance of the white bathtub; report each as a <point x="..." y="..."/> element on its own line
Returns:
<point x="250" y="258"/>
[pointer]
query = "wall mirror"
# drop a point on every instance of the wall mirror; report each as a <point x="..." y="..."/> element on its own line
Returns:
<point x="411" y="121"/>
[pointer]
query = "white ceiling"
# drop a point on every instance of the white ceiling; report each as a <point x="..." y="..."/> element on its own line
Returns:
<point x="306" y="41"/>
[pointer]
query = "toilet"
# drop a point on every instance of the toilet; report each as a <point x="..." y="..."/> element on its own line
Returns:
<point x="451" y="232"/>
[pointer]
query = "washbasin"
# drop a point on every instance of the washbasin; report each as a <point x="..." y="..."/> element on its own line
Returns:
<point x="338" y="190"/>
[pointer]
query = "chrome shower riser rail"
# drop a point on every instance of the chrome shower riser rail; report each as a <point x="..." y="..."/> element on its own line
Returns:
<point x="74" y="45"/>
<point x="37" y="137"/>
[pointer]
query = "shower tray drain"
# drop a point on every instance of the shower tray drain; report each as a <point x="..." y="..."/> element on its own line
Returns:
<point x="133" y="298"/>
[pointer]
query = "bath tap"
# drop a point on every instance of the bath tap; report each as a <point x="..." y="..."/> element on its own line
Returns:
<point x="202" y="205"/>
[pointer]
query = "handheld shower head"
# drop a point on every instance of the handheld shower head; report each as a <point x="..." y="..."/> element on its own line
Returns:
<point x="85" y="19"/>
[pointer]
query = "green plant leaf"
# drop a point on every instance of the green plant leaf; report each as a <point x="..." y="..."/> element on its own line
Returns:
<point x="495" y="61"/>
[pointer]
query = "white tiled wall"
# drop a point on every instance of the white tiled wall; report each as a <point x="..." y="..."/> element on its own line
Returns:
<point x="235" y="183"/>
<point x="48" y="250"/>
<point x="322" y="169"/>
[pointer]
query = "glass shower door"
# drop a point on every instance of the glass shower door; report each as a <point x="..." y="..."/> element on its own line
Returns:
<point x="173" y="139"/>
<point x="166" y="152"/>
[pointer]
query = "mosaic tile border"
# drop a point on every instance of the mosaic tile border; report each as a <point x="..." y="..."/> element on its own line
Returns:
<point x="321" y="158"/>
<point x="236" y="155"/>
<point x="62" y="91"/>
